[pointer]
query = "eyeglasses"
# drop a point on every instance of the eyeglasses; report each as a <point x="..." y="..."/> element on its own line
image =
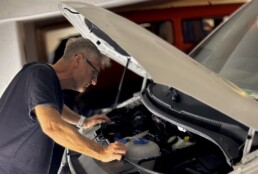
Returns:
<point x="96" y="71"/>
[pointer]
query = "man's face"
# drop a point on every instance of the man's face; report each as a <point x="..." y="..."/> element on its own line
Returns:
<point x="87" y="72"/>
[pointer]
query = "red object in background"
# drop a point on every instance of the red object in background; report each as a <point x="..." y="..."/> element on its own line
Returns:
<point x="177" y="15"/>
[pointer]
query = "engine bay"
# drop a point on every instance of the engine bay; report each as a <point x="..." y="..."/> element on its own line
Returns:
<point x="179" y="151"/>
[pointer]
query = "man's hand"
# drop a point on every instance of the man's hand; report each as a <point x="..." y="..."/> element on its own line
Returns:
<point x="96" y="119"/>
<point x="114" y="151"/>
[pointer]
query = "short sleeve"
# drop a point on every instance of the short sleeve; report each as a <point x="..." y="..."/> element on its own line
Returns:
<point x="44" y="89"/>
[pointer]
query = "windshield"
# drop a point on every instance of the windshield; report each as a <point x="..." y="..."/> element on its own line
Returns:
<point x="232" y="50"/>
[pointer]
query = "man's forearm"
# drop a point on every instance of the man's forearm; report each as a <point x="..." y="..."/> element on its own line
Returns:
<point x="65" y="134"/>
<point x="70" y="116"/>
<point x="69" y="137"/>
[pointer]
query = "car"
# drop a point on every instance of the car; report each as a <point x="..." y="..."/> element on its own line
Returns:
<point x="186" y="118"/>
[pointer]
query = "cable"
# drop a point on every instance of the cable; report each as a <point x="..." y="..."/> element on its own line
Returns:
<point x="140" y="167"/>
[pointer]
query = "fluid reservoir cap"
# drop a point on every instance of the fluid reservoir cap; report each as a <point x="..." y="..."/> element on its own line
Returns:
<point x="140" y="141"/>
<point x="122" y="140"/>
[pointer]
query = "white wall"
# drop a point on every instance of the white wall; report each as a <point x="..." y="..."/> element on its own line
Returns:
<point x="12" y="56"/>
<point x="13" y="15"/>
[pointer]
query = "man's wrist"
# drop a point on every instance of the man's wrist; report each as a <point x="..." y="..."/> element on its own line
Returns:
<point x="80" y="122"/>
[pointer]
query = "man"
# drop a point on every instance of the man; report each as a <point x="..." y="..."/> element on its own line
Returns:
<point x="32" y="113"/>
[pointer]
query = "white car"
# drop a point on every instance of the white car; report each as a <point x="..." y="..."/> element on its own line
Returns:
<point x="186" y="119"/>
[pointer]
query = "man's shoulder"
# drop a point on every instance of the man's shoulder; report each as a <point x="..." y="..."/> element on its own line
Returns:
<point x="40" y="67"/>
<point x="36" y="65"/>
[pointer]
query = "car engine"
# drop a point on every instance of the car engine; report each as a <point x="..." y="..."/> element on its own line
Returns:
<point x="154" y="146"/>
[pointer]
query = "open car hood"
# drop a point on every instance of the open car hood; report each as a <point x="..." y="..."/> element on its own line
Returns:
<point x="152" y="57"/>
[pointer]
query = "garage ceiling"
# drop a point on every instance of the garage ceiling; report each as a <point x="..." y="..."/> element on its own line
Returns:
<point x="34" y="9"/>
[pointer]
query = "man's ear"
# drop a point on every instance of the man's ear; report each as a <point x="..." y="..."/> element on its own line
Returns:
<point x="76" y="61"/>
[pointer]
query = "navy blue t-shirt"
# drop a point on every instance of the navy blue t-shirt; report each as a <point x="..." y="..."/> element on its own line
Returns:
<point x="24" y="148"/>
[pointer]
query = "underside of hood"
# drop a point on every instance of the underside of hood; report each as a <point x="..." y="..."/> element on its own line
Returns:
<point x="123" y="40"/>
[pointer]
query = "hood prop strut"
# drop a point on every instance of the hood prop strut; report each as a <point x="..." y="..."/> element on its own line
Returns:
<point x="144" y="82"/>
<point x="121" y="83"/>
<point x="249" y="141"/>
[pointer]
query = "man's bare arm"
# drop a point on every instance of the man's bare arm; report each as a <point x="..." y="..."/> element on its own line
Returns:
<point x="71" y="117"/>
<point x="66" y="135"/>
